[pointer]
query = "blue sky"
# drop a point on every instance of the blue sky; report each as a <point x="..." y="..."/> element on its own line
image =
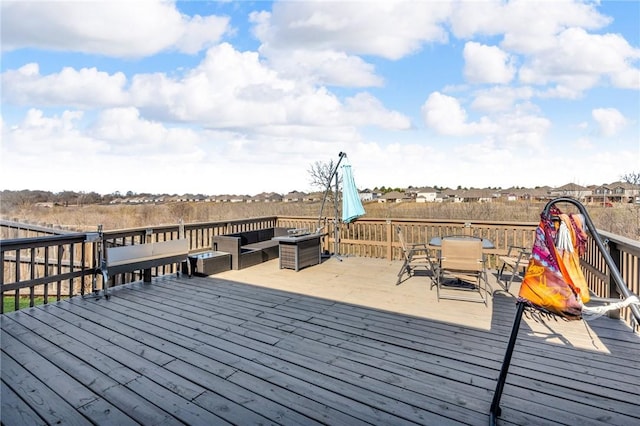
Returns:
<point x="243" y="97"/>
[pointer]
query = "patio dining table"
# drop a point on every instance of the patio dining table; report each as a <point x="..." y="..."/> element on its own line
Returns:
<point x="436" y="242"/>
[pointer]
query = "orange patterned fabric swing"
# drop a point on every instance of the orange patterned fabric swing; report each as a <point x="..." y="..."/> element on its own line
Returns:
<point x="554" y="282"/>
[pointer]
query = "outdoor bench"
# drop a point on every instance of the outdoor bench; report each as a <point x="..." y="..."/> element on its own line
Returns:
<point x="249" y="248"/>
<point x="121" y="259"/>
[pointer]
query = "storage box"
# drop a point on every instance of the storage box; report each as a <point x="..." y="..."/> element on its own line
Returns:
<point x="210" y="262"/>
<point x="299" y="252"/>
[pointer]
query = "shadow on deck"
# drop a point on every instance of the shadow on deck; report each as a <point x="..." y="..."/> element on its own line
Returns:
<point x="338" y="343"/>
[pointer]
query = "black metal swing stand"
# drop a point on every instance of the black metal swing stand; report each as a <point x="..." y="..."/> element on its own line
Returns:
<point x="495" y="410"/>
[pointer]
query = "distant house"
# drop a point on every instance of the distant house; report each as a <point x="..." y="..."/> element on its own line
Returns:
<point x="617" y="192"/>
<point x="294" y="197"/>
<point x="238" y="198"/>
<point x="224" y="198"/>
<point x="426" y="195"/>
<point x="451" y="195"/>
<point x="394" y="197"/>
<point x="571" y="190"/>
<point x="541" y="193"/>
<point x="273" y="197"/>
<point x="368" y="195"/>
<point x="477" y="196"/>
<point x="265" y="197"/>
<point x="510" y="194"/>
<point x="313" y="196"/>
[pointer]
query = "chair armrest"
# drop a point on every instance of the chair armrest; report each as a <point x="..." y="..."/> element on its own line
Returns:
<point x="519" y="249"/>
<point x="418" y="247"/>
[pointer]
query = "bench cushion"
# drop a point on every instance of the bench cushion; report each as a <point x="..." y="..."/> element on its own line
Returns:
<point x="125" y="254"/>
<point x="261" y="245"/>
<point x="171" y="247"/>
<point x="138" y="253"/>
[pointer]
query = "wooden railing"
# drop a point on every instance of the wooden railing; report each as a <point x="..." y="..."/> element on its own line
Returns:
<point x="55" y="267"/>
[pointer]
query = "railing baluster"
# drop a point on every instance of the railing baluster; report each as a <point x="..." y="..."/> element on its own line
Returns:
<point x="46" y="274"/>
<point x="32" y="274"/>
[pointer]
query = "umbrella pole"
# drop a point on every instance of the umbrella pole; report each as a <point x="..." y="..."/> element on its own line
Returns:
<point x="336" y="231"/>
<point x="336" y="222"/>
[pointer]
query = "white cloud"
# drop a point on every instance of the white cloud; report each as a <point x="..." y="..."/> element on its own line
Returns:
<point x="526" y="26"/>
<point x="105" y="156"/>
<point x="583" y="144"/>
<point x="146" y="156"/>
<point x="40" y="140"/>
<point x="552" y="43"/>
<point x="515" y="128"/>
<point x="84" y="87"/>
<point x="628" y="78"/>
<point x="320" y="40"/>
<point x="113" y="28"/>
<point x="445" y="115"/>
<point x="328" y="67"/>
<point x="126" y="133"/>
<point x="610" y="121"/>
<point x="228" y="89"/>
<point x="521" y="128"/>
<point x="364" y="109"/>
<point x="578" y="61"/>
<point x="231" y="89"/>
<point x="388" y="29"/>
<point x="487" y="64"/>
<point x="273" y="111"/>
<point x="500" y="98"/>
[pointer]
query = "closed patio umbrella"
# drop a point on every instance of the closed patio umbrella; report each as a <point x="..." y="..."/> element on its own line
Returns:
<point x="351" y="204"/>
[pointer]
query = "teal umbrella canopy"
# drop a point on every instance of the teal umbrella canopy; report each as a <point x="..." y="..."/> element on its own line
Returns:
<point x="351" y="204"/>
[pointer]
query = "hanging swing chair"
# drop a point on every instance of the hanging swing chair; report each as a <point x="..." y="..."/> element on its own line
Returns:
<point x="554" y="285"/>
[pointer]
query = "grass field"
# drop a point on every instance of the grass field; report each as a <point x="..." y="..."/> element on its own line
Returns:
<point x="9" y="302"/>
<point x="621" y="219"/>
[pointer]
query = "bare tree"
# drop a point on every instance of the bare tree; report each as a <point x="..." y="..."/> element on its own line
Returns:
<point x="321" y="174"/>
<point x="632" y="178"/>
<point x="67" y="197"/>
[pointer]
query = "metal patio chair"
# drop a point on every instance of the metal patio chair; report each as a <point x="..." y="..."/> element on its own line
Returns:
<point x="462" y="270"/>
<point x="416" y="256"/>
<point x="515" y="261"/>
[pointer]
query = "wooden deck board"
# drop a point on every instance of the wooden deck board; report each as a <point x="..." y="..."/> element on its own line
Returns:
<point x="268" y="346"/>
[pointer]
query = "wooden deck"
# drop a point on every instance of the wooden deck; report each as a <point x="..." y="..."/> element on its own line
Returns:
<point x="338" y="343"/>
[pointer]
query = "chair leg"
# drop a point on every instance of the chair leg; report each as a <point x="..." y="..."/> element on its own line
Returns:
<point x="483" y="277"/>
<point x="486" y="281"/>
<point x="513" y="274"/>
<point x="501" y="271"/>
<point x="405" y="267"/>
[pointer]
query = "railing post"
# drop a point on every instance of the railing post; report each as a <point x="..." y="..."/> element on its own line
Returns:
<point x="614" y="293"/>
<point x="389" y="240"/>
<point x="1" y="282"/>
